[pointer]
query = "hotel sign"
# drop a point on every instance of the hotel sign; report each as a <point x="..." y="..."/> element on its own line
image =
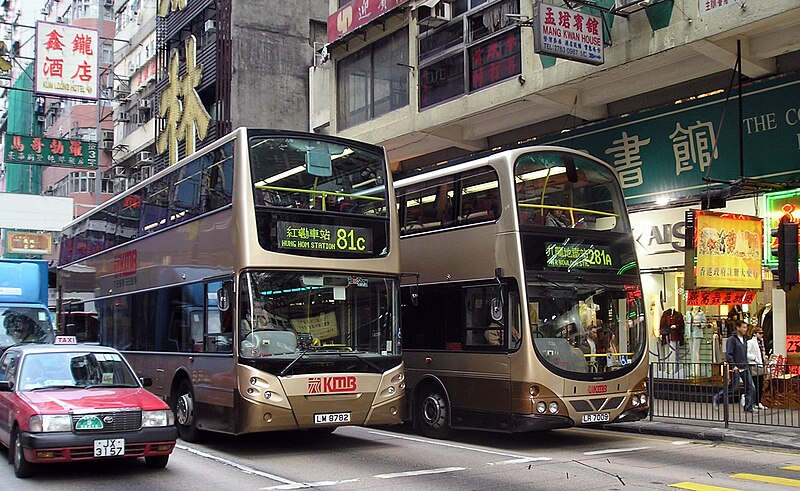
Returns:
<point x="566" y="33"/>
<point x="66" y="61"/>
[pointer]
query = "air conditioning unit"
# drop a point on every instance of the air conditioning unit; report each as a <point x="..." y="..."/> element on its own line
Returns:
<point x="106" y="145"/>
<point x="108" y="135"/>
<point x="41" y="118"/>
<point x="144" y="156"/>
<point x="144" y="103"/>
<point x="122" y="117"/>
<point x="629" y="6"/>
<point x="210" y="25"/>
<point x="121" y="93"/>
<point x="440" y="14"/>
<point x="146" y="171"/>
<point x="119" y="171"/>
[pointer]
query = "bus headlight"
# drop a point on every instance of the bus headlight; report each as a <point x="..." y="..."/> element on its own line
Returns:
<point x="541" y="407"/>
<point x="553" y="407"/>
<point x="643" y="400"/>
<point x="635" y="400"/>
<point x="152" y="419"/>
<point x="268" y="394"/>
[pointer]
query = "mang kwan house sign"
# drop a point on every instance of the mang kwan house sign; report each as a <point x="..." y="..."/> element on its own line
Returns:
<point x="566" y="33"/>
<point x="726" y="251"/>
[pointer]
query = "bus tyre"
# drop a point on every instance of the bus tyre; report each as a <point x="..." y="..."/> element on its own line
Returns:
<point x="185" y="418"/>
<point x="432" y="414"/>
<point x="156" y="461"/>
<point x="22" y="468"/>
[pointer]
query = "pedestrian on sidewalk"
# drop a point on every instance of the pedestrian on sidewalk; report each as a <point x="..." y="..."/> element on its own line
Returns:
<point x="755" y="357"/>
<point x="736" y="357"/>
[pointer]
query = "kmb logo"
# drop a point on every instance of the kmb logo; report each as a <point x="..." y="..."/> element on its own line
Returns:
<point x="317" y="385"/>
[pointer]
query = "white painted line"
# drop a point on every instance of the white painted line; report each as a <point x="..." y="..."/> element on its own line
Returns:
<point x="615" y="450"/>
<point x="682" y="442"/>
<point x="520" y="461"/>
<point x="452" y="445"/>
<point x="424" y="472"/>
<point x="309" y="485"/>
<point x="243" y="468"/>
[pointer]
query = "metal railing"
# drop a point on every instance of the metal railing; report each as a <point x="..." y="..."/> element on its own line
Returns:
<point x="689" y="391"/>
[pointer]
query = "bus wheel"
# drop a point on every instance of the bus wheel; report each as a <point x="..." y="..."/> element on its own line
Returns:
<point x="431" y="414"/>
<point x="184" y="413"/>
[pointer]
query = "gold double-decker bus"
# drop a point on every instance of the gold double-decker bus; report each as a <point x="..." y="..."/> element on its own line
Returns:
<point x="255" y="283"/>
<point x="527" y="313"/>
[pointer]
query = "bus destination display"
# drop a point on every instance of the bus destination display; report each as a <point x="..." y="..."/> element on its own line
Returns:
<point x="317" y="237"/>
<point x="585" y="256"/>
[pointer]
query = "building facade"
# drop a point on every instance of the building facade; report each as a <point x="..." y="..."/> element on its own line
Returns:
<point x="652" y="87"/>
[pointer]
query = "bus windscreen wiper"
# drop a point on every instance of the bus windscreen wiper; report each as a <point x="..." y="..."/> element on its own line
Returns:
<point x="366" y="361"/>
<point x="291" y="363"/>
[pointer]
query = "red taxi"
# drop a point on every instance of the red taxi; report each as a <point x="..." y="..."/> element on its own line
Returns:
<point x="69" y="402"/>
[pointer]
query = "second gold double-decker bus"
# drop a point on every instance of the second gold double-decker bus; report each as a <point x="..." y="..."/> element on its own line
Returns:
<point x="256" y="283"/>
<point x="528" y="311"/>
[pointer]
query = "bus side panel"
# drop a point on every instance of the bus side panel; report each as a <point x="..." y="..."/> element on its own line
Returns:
<point x="213" y="380"/>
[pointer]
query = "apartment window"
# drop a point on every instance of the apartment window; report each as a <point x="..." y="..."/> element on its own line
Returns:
<point x="373" y="81"/>
<point x="479" y="47"/>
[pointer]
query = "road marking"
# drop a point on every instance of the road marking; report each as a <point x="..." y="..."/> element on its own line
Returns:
<point x="452" y="445"/>
<point x="791" y="468"/>
<point x="700" y="487"/>
<point x="682" y="442"/>
<point x="524" y="460"/>
<point x="243" y="468"/>
<point x="309" y="485"/>
<point x="423" y="472"/>
<point x="615" y="450"/>
<point x="783" y="481"/>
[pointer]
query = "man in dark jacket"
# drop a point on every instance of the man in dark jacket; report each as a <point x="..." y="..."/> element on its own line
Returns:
<point x="736" y="356"/>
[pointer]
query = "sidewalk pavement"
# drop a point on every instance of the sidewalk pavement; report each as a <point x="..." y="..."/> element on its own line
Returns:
<point x="776" y="437"/>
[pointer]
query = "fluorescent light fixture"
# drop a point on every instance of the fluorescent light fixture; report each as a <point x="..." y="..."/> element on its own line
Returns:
<point x="282" y="175"/>
<point x="345" y="153"/>
<point x="542" y="173"/>
<point x="662" y="200"/>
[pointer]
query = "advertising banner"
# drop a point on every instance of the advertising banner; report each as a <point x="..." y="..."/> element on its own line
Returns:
<point x="66" y="61"/>
<point x="728" y="250"/>
<point x="356" y="14"/>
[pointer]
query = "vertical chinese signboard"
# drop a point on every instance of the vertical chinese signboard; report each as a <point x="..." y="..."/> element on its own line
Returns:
<point x="66" y="61"/>
<point x="566" y="33"/>
<point x="726" y="250"/>
<point x="781" y="207"/>
<point x="56" y="152"/>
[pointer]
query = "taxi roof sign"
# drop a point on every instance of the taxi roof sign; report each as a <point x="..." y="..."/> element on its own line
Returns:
<point x="66" y="340"/>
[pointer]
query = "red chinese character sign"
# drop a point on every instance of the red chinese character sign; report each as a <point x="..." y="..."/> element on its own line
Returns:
<point x="356" y="14"/>
<point x="719" y="297"/>
<point x="67" y="61"/>
<point x="569" y="34"/>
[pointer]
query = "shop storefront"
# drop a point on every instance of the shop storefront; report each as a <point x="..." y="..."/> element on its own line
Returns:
<point x="702" y="321"/>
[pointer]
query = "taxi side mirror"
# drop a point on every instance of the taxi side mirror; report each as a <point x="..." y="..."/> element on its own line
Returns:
<point x="146" y="381"/>
<point x="6" y="386"/>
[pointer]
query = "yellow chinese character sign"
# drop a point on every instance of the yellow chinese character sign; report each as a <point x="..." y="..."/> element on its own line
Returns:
<point x="728" y="248"/>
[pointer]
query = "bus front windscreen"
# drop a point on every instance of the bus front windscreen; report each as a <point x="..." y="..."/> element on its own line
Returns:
<point x="585" y="330"/>
<point x="307" y="174"/>
<point x="283" y="314"/>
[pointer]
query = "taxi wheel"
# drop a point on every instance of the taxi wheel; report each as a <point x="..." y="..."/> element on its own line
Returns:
<point x="184" y="413"/>
<point x="431" y="416"/>
<point x="22" y="468"/>
<point x="156" y="461"/>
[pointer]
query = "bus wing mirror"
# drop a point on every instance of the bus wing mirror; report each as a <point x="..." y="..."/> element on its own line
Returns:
<point x="414" y="291"/>
<point x="224" y="296"/>
<point x="572" y="171"/>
